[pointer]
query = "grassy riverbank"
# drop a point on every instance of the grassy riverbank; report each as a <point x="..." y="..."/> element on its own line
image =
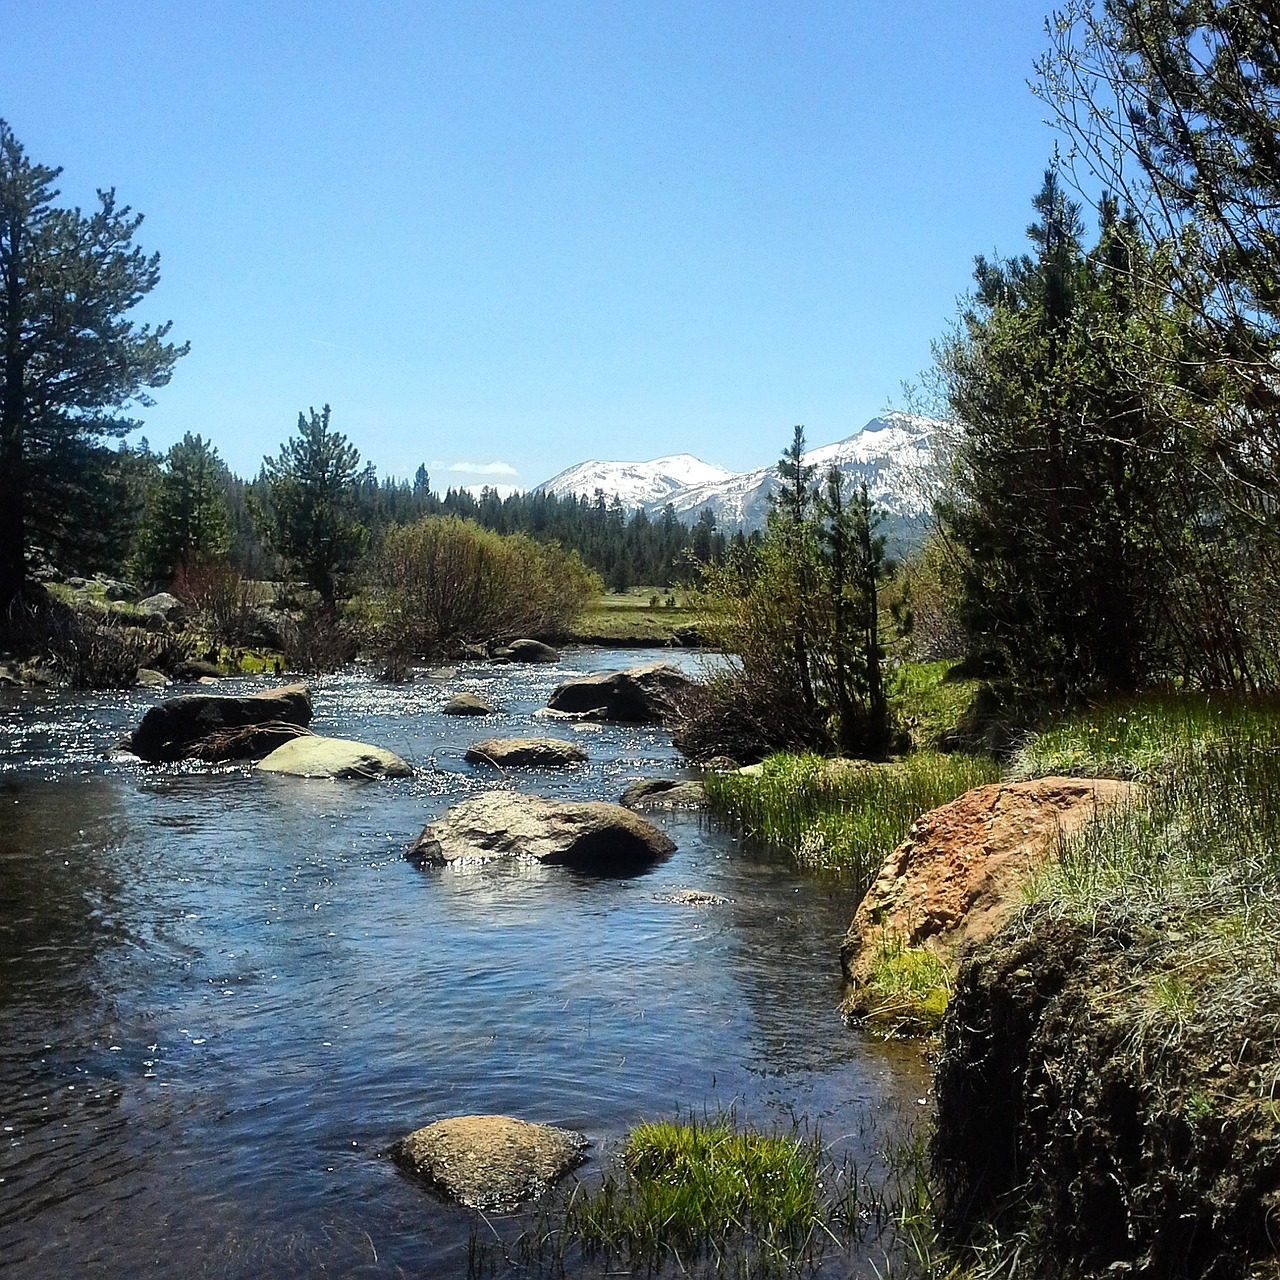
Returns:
<point x="643" y="617"/>
<point x="1109" y="1062"/>
<point x="1108" y="1073"/>
<point x="842" y="816"/>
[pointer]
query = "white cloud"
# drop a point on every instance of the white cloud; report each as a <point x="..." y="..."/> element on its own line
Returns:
<point x="484" y="468"/>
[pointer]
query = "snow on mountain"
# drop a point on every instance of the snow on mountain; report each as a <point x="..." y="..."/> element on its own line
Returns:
<point x="894" y="455"/>
<point x="637" y="484"/>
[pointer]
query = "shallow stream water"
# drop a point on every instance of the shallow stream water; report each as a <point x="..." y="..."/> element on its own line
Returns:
<point x="224" y="995"/>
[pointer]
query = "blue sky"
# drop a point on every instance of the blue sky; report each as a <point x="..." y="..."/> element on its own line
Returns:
<point x="517" y="235"/>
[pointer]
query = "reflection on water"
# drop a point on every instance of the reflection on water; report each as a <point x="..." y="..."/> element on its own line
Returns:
<point x="225" y="995"/>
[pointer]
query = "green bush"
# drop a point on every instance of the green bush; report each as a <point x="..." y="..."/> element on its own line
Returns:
<point x="435" y="586"/>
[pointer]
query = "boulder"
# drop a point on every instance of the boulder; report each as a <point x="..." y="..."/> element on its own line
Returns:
<point x="214" y="727"/>
<point x="647" y="694"/>
<point x="531" y="651"/>
<point x="148" y="678"/>
<point x="665" y="793"/>
<point x="587" y="835"/>
<point x="261" y="627"/>
<point x="313" y="756"/>
<point x="466" y="704"/>
<point x="197" y="669"/>
<point x="957" y="876"/>
<point x="165" y="607"/>
<point x="490" y="1162"/>
<point x="542" y="753"/>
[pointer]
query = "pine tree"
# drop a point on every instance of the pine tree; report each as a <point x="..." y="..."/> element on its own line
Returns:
<point x="312" y="483"/>
<point x="186" y="518"/>
<point x="72" y="361"/>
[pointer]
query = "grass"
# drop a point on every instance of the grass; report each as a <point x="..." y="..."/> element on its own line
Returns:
<point x="643" y="615"/>
<point x="906" y="991"/>
<point x="1129" y="739"/>
<point x="712" y="1197"/>
<point x="842" y="817"/>
<point x="928" y="702"/>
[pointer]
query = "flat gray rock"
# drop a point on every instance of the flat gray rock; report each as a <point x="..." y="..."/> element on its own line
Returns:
<point x="314" y="756"/>
<point x="665" y="793"/>
<point x="466" y="704"/>
<point x="490" y="1162"/>
<point x="592" y="836"/>
<point x="543" y="753"/>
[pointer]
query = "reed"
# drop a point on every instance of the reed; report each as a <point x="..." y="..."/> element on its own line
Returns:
<point x="841" y="816"/>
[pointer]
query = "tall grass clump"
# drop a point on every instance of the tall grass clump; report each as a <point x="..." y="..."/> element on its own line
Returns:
<point x="839" y="816"/>
<point x="710" y="1197"/>
<point x="1201" y="840"/>
<point x="1131" y="738"/>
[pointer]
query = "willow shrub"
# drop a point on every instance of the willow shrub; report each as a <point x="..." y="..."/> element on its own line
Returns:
<point x="435" y="586"/>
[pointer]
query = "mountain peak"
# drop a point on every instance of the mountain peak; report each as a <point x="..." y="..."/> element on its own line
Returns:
<point x="887" y="454"/>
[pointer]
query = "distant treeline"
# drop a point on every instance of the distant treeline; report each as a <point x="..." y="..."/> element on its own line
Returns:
<point x="99" y="518"/>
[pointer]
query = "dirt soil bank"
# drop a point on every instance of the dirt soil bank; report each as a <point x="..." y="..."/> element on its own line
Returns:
<point x="1119" y="1130"/>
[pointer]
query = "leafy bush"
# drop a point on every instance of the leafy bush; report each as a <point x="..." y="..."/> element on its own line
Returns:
<point x="435" y="586"/>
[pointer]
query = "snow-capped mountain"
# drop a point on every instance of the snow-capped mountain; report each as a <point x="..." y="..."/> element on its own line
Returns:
<point x="638" y="484"/>
<point x="895" y="455"/>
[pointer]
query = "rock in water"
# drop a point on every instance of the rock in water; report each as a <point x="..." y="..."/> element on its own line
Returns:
<point x="213" y="727"/>
<point x="592" y="836"/>
<point x="490" y="1162"/>
<point x="544" y="753"/>
<point x="466" y="704"/>
<point x="645" y="695"/>
<point x="531" y="651"/>
<point x="312" y="756"/>
<point x="665" y="793"/>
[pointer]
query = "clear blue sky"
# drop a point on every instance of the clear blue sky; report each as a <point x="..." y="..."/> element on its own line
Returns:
<point x="527" y="234"/>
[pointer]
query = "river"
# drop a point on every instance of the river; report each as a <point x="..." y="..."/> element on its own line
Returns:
<point x="223" y="995"/>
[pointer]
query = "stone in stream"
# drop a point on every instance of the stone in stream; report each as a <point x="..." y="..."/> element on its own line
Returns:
<point x="490" y="1162"/>
<point x="542" y="753"/>
<point x="466" y="704"/>
<point x="531" y="651"/>
<point x="647" y="694"/>
<point x="149" y="678"/>
<point x="214" y="727"/>
<point x="591" y="836"/>
<point x="313" y="756"/>
<point x="665" y="793"/>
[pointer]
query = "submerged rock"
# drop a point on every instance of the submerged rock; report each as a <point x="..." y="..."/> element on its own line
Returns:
<point x="543" y="753"/>
<point x="588" y="835"/>
<point x="647" y="694"/>
<point x="490" y="1162"/>
<point x="466" y="704"/>
<point x="531" y="651"/>
<point x="665" y="793"/>
<point x="313" y="756"/>
<point x="215" y="727"/>
<point x="692" y="898"/>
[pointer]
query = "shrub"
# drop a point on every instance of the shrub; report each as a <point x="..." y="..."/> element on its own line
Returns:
<point x="435" y="586"/>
